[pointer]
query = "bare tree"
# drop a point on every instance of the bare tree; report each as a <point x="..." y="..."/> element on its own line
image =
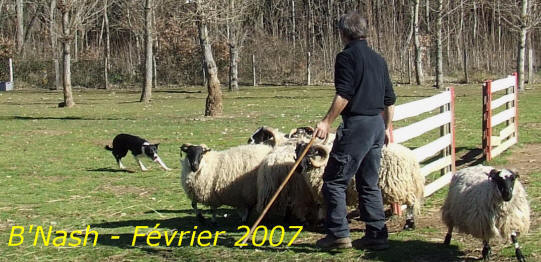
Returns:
<point x="206" y="11"/>
<point x="74" y="13"/>
<point x="147" y="87"/>
<point x="20" y="26"/>
<point x="521" y="16"/>
<point x="417" y="44"/>
<point x="106" y="46"/>
<point x="439" y="55"/>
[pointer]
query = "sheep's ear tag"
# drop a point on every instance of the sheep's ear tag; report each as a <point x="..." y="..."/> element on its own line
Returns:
<point x="493" y="173"/>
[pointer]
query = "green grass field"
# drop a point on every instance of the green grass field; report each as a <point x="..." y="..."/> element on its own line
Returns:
<point x="55" y="172"/>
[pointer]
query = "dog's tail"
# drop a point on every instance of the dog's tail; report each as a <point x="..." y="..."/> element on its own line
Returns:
<point x="108" y="148"/>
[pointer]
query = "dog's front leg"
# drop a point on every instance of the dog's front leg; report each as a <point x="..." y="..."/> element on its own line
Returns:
<point x="120" y="165"/>
<point x="162" y="164"/>
<point x="143" y="168"/>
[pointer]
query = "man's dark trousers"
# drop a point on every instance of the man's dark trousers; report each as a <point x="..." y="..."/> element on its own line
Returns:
<point x="356" y="151"/>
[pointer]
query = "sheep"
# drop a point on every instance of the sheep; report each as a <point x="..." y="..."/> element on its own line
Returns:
<point x="486" y="202"/>
<point x="273" y="137"/>
<point x="400" y="177"/>
<point x="401" y="181"/>
<point x="294" y="196"/>
<point x="227" y="177"/>
<point x="268" y="136"/>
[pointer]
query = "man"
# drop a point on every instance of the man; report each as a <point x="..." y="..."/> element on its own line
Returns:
<point x="363" y="92"/>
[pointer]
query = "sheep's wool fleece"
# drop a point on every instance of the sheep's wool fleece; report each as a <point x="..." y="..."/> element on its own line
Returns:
<point x="314" y="177"/>
<point x="296" y="194"/>
<point x="400" y="177"/>
<point x="474" y="205"/>
<point x="225" y="177"/>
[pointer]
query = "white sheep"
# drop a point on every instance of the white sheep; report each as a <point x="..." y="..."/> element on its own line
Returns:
<point x="400" y="177"/>
<point x="295" y="197"/>
<point x="486" y="203"/>
<point x="227" y="177"/>
<point x="401" y="181"/>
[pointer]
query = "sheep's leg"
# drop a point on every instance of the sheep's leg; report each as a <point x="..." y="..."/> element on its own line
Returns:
<point x="410" y="220"/>
<point x="213" y="211"/>
<point x="486" y="250"/>
<point x="197" y="211"/>
<point x="518" y="253"/>
<point x="447" y="240"/>
<point x="243" y="213"/>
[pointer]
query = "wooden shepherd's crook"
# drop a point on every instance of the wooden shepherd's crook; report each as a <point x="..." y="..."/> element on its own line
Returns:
<point x="279" y="190"/>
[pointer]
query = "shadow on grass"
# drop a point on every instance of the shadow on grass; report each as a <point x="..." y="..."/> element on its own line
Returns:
<point x="415" y="250"/>
<point x="57" y="118"/>
<point x="178" y="91"/>
<point x="472" y="157"/>
<point x="108" y="169"/>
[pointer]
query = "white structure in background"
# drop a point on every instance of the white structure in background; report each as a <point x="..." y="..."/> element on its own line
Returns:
<point x="8" y="86"/>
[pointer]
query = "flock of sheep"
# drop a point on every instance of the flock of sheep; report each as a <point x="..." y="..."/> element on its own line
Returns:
<point x="482" y="201"/>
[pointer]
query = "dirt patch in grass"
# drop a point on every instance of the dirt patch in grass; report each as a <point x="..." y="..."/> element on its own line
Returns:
<point x="525" y="159"/>
<point x="50" y="132"/>
<point x="122" y="189"/>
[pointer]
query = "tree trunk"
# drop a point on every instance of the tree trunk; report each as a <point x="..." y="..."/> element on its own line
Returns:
<point x="233" y="67"/>
<point x="147" y="87"/>
<point x="531" y="58"/>
<point x="213" y="105"/>
<point x="20" y="26"/>
<point x="522" y="45"/>
<point x="66" y="45"/>
<point x="233" y="32"/>
<point x="418" y="51"/>
<point x="293" y="30"/>
<point x="308" y="73"/>
<point x="439" y="55"/>
<point x="54" y="51"/>
<point x="106" y="46"/>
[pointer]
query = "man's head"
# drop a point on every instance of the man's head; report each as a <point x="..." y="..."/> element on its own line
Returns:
<point x="352" y="26"/>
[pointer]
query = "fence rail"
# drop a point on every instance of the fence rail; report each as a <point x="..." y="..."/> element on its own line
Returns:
<point x="508" y="136"/>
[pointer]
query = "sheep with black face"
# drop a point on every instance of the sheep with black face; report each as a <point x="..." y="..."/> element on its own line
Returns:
<point x="228" y="177"/>
<point x="400" y="178"/>
<point x="486" y="203"/>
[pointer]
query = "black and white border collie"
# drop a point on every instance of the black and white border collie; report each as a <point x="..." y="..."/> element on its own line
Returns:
<point x="139" y="147"/>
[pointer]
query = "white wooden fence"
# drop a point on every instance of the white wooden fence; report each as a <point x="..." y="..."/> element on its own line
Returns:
<point x="444" y="144"/>
<point x="508" y="118"/>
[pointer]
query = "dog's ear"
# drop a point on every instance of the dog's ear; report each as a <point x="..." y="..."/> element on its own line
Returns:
<point x="157" y="144"/>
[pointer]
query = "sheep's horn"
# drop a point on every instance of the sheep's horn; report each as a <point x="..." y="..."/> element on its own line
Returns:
<point x="323" y="155"/>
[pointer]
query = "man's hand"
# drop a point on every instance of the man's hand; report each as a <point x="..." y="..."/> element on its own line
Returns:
<point x="387" y="136"/>
<point x="322" y="129"/>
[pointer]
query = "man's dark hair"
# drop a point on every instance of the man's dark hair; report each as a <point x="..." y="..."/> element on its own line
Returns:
<point x="353" y="25"/>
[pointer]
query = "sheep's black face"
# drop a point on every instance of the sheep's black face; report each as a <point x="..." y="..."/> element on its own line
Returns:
<point x="505" y="181"/>
<point x="194" y="155"/>
<point x="261" y="136"/>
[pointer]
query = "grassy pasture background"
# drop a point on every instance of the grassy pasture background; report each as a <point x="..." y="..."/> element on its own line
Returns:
<point x="55" y="172"/>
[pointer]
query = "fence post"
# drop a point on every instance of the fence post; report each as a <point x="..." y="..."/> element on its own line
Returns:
<point x="515" y="88"/>
<point x="10" y="70"/>
<point x="453" y="133"/>
<point x="254" y="82"/>
<point x="487" y="115"/>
